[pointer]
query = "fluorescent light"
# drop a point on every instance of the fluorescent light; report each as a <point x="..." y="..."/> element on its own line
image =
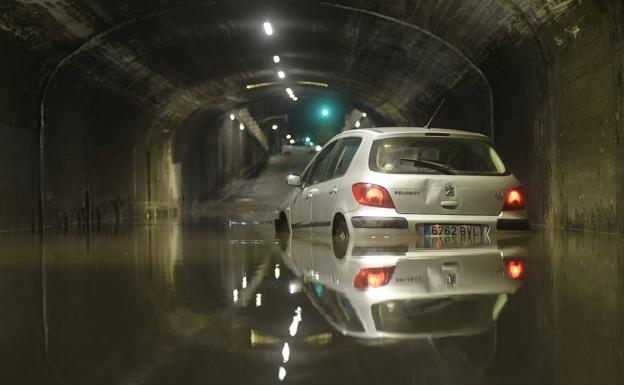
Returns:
<point x="309" y="83"/>
<point x="258" y="85"/>
<point x="242" y="127"/>
<point x="232" y="117"/>
<point x="276" y="59"/>
<point x="274" y="126"/>
<point x="281" y="74"/>
<point x="268" y="28"/>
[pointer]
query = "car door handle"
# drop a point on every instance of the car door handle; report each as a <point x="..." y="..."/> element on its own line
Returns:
<point x="333" y="191"/>
<point x="449" y="204"/>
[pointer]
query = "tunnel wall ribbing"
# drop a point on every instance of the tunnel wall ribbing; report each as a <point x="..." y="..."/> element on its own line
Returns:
<point x="214" y="154"/>
<point x="558" y="116"/>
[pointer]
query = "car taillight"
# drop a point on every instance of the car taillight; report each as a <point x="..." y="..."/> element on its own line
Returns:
<point x="373" y="277"/>
<point x="514" y="268"/>
<point x="368" y="194"/>
<point x="514" y="200"/>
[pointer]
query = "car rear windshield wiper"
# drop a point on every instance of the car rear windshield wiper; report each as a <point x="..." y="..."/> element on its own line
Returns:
<point x="443" y="168"/>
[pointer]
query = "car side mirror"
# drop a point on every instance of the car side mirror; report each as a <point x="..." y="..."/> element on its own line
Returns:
<point x="293" y="180"/>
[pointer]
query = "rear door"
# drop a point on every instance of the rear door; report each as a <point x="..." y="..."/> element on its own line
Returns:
<point x="324" y="196"/>
<point x="302" y="204"/>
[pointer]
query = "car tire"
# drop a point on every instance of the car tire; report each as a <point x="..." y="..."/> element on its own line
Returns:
<point x="340" y="236"/>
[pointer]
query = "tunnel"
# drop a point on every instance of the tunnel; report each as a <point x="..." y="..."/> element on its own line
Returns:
<point x="120" y="117"/>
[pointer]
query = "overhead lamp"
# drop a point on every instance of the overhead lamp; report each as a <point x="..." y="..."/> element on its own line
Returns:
<point x="281" y="74"/>
<point x="357" y="124"/>
<point x="363" y="114"/>
<point x="307" y="139"/>
<point x="232" y="117"/>
<point x="289" y="91"/>
<point x="268" y="28"/>
<point x="274" y="127"/>
<point x="292" y="141"/>
<point x="241" y="126"/>
<point x="276" y="59"/>
<point x="318" y="148"/>
<point x="294" y="98"/>
<point x="325" y="111"/>
<point x="288" y="136"/>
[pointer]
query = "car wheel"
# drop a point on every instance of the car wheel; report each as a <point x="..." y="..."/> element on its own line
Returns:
<point x="340" y="236"/>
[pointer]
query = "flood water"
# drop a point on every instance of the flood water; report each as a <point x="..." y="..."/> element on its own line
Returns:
<point x="219" y="300"/>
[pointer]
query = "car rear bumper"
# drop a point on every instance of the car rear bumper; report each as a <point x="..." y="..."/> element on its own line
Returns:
<point x="372" y="220"/>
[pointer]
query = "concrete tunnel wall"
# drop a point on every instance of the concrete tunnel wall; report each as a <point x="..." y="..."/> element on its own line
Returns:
<point x="102" y="159"/>
<point x="558" y="97"/>
<point x="214" y="154"/>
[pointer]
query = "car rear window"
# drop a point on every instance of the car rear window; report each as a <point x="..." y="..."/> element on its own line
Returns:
<point x="434" y="315"/>
<point x="461" y="156"/>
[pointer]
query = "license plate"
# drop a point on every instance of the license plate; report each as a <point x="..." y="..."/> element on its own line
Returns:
<point x="440" y="235"/>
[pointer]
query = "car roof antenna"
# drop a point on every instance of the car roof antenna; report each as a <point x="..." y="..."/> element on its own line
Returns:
<point x="434" y="114"/>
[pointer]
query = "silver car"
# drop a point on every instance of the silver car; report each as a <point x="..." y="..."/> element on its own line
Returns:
<point x="394" y="289"/>
<point x="403" y="180"/>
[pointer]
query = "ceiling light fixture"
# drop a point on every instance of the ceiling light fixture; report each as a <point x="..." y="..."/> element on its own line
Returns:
<point x="268" y="28"/>
<point x="309" y="83"/>
<point x="241" y="126"/>
<point x="232" y="117"/>
<point x="276" y="59"/>
<point x="281" y="74"/>
<point x="274" y="127"/>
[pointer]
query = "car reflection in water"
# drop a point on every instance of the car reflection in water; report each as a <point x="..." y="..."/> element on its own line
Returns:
<point x="386" y="291"/>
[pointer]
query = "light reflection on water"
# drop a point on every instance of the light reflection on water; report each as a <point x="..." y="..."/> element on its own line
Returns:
<point x="214" y="303"/>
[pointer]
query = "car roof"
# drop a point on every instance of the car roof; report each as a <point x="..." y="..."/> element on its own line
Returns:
<point x="416" y="131"/>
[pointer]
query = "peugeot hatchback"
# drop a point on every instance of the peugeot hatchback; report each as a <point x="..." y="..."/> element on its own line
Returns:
<point x="401" y="180"/>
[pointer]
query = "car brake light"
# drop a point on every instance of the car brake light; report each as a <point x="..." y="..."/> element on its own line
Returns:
<point x="514" y="268"/>
<point x="368" y="194"/>
<point x="514" y="200"/>
<point x="373" y="277"/>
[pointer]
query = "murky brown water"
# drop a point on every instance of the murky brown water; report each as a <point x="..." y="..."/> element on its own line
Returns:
<point x="221" y="302"/>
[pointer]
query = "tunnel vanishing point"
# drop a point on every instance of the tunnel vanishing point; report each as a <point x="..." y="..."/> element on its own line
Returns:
<point x="118" y="109"/>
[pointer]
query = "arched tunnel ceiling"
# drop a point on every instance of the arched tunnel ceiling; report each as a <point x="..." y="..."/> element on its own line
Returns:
<point x="395" y="58"/>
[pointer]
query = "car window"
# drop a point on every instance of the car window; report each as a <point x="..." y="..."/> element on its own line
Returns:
<point x="344" y="155"/>
<point x="461" y="156"/>
<point x="320" y="165"/>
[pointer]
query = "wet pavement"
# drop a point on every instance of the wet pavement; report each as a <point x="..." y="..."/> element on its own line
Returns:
<point x="220" y="300"/>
